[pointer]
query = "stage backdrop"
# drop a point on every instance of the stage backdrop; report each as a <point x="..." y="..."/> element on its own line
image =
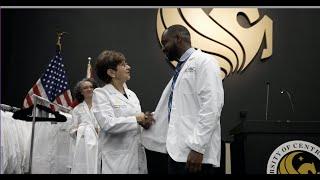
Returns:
<point x="28" y="38"/>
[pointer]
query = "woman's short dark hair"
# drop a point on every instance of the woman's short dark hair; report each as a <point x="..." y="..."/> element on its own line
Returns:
<point x="108" y="59"/>
<point x="77" y="89"/>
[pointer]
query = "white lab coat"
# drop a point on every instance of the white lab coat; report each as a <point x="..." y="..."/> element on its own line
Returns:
<point x="197" y="102"/>
<point x="120" y="136"/>
<point x="62" y="156"/>
<point x="50" y="149"/>
<point x="12" y="144"/>
<point x="155" y="137"/>
<point x="85" y="152"/>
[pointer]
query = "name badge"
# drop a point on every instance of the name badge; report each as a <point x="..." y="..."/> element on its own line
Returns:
<point x="116" y="105"/>
<point x="191" y="69"/>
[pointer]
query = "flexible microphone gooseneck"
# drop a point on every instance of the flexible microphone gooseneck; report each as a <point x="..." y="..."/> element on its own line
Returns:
<point x="283" y="91"/>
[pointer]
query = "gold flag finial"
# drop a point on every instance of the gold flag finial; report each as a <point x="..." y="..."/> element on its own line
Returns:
<point x="58" y="44"/>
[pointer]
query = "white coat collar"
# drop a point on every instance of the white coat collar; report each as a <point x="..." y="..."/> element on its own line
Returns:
<point x="186" y="65"/>
<point x="86" y="108"/>
<point x="114" y="92"/>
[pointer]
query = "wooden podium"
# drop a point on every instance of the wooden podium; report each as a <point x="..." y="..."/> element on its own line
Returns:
<point x="254" y="141"/>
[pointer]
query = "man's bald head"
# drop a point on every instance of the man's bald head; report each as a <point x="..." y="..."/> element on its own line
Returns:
<point x="179" y="30"/>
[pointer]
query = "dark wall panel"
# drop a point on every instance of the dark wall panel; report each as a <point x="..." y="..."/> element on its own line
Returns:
<point x="28" y="42"/>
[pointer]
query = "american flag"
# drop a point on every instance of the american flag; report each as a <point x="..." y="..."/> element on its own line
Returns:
<point x="52" y="85"/>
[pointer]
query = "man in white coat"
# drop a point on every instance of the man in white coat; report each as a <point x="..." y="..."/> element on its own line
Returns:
<point x="187" y="117"/>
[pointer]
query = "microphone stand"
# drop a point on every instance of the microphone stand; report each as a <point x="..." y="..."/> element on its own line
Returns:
<point x="267" y="104"/>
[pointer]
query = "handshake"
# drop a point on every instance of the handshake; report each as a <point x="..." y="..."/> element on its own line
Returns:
<point x="145" y="119"/>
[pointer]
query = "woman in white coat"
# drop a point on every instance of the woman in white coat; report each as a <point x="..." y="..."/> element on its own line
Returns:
<point x="118" y="112"/>
<point x="85" y="130"/>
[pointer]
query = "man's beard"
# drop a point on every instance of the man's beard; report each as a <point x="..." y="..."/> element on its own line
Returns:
<point x="173" y="55"/>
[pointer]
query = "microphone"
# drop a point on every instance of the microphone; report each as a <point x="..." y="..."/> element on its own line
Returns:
<point x="283" y="91"/>
<point x="267" y="103"/>
<point x="62" y="33"/>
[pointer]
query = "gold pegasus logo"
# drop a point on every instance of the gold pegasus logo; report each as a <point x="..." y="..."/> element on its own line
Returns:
<point x="219" y="33"/>
<point x="295" y="163"/>
<point x="295" y="157"/>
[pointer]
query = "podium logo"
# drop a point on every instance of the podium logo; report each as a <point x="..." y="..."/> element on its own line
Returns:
<point x="221" y="32"/>
<point x="295" y="157"/>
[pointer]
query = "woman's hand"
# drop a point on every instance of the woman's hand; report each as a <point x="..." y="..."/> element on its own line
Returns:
<point x="145" y="120"/>
<point x="140" y="118"/>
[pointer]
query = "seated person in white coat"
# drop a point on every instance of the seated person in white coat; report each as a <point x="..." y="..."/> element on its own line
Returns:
<point x="118" y="112"/>
<point x="187" y="117"/>
<point x="85" y="130"/>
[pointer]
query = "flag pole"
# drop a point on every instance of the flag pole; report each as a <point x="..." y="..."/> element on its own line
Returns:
<point x="32" y="132"/>
<point x="35" y="102"/>
<point x="89" y="68"/>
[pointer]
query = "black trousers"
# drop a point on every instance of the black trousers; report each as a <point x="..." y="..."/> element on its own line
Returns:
<point x="179" y="168"/>
<point x="157" y="162"/>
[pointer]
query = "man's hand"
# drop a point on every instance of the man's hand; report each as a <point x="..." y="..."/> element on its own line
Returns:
<point x="145" y="120"/>
<point x="194" y="161"/>
<point x="97" y="130"/>
<point x="148" y="121"/>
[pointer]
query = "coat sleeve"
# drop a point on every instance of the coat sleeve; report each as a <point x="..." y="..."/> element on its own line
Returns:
<point x="210" y="95"/>
<point x="104" y="114"/>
